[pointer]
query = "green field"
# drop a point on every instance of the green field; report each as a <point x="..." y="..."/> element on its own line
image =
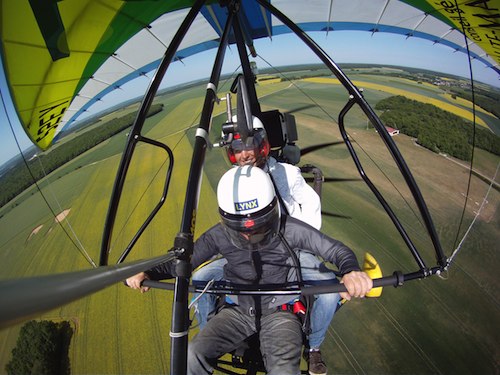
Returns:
<point x="445" y="325"/>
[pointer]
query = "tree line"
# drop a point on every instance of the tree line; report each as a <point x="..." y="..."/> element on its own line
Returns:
<point x="435" y="129"/>
<point x="487" y="100"/>
<point x="20" y="178"/>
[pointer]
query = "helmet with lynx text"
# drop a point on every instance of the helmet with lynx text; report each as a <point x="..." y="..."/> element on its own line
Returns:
<point x="248" y="207"/>
<point x="256" y="142"/>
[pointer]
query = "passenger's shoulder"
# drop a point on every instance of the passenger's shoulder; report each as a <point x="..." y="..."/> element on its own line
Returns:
<point x="287" y="168"/>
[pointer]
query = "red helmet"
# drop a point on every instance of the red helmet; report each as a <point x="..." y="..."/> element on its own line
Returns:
<point x="258" y="142"/>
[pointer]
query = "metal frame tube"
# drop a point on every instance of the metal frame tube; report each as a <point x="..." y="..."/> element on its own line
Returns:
<point x="248" y="75"/>
<point x="160" y="202"/>
<point x="360" y="100"/>
<point x="397" y="279"/>
<point x="25" y="298"/>
<point x="184" y="240"/>
<point x="134" y="134"/>
<point x="378" y="195"/>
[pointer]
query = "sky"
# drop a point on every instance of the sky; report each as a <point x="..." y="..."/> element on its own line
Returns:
<point x="342" y="46"/>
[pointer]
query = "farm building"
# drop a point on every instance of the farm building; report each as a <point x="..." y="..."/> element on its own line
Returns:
<point x="392" y="132"/>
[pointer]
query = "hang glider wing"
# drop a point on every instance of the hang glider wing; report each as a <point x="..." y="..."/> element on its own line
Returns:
<point x="60" y="57"/>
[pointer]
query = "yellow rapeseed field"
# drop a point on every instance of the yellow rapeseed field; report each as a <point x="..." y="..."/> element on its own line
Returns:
<point x="268" y="81"/>
<point x="443" y="104"/>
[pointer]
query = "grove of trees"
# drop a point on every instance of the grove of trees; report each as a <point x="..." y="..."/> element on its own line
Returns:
<point x="436" y="129"/>
<point x="484" y="99"/>
<point x="41" y="349"/>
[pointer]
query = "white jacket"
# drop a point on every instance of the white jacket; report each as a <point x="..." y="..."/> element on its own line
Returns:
<point x="300" y="199"/>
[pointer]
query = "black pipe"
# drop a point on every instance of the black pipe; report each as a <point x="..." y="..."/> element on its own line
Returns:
<point x="160" y="202"/>
<point x="25" y="298"/>
<point x="318" y="177"/>
<point x="358" y="97"/>
<point x="137" y="127"/>
<point x="184" y="240"/>
<point x="378" y="195"/>
<point x="397" y="279"/>
<point x="248" y="75"/>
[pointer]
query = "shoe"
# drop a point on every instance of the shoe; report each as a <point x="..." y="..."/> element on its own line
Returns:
<point x="315" y="363"/>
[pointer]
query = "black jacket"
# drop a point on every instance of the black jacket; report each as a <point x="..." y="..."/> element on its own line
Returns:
<point x="269" y="265"/>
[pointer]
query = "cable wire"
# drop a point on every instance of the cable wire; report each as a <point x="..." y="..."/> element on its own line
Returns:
<point x="485" y="200"/>
<point x="473" y="128"/>
<point x="77" y="239"/>
<point x="91" y="262"/>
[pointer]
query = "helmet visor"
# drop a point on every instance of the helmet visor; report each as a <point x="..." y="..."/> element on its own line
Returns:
<point x="251" y="143"/>
<point x="252" y="231"/>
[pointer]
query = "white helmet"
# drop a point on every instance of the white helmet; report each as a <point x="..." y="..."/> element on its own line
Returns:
<point x="248" y="207"/>
<point x="256" y="123"/>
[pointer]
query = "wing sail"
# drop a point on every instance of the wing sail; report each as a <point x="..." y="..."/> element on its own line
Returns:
<point x="60" y="57"/>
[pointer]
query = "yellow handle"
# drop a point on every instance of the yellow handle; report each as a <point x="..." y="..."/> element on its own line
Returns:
<point x="371" y="267"/>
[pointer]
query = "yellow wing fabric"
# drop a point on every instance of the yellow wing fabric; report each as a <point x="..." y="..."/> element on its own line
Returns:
<point x="51" y="49"/>
<point x="60" y="57"/>
<point x="478" y="20"/>
<point x="43" y="84"/>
